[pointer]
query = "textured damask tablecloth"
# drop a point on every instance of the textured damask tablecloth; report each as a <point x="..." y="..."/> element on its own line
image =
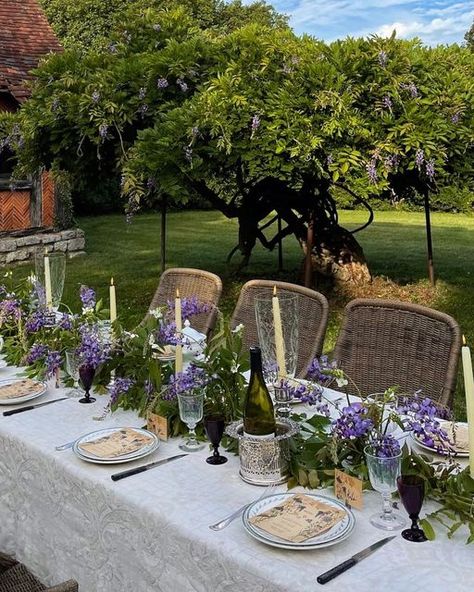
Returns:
<point x="65" y="519"/>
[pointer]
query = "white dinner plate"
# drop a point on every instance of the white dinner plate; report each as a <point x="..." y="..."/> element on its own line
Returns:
<point x="442" y="452"/>
<point x="336" y="534"/>
<point x="137" y="454"/>
<point x="42" y="388"/>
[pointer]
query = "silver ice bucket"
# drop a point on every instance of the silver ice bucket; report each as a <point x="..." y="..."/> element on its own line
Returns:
<point x="264" y="462"/>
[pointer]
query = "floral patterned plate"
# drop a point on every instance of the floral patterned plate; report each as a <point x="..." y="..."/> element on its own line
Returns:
<point x="341" y="531"/>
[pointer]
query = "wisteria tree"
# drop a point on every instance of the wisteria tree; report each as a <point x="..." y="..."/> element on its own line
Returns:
<point x="258" y="121"/>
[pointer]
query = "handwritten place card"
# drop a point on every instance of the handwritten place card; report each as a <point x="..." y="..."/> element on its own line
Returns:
<point x="348" y="489"/>
<point x="299" y="518"/>
<point x="158" y="425"/>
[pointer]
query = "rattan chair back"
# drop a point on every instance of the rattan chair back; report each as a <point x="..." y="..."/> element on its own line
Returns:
<point x="15" y="577"/>
<point x="206" y="286"/>
<point x="312" y="317"/>
<point x="384" y="343"/>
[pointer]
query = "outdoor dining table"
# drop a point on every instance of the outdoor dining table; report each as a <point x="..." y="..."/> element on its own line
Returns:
<point x="65" y="518"/>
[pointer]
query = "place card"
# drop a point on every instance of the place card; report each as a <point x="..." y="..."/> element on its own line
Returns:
<point x="298" y="519"/>
<point x="348" y="489"/>
<point x="158" y="425"/>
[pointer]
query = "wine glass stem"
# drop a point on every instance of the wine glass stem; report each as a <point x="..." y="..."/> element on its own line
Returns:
<point x="192" y="434"/>
<point x="387" y="506"/>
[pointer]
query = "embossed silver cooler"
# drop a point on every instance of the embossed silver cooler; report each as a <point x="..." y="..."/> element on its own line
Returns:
<point x="264" y="462"/>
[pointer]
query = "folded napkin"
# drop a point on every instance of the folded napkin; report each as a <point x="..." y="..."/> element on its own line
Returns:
<point x="117" y="444"/>
<point x="299" y="518"/>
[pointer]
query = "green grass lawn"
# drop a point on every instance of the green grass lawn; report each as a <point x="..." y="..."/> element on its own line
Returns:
<point x="394" y="246"/>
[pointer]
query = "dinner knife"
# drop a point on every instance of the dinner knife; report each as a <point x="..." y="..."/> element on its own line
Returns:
<point x="342" y="567"/>
<point x="136" y="470"/>
<point x="29" y="407"/>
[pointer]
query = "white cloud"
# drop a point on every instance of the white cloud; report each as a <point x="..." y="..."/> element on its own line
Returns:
<point x="444" y="21"/>
<point x="437" y="30"/>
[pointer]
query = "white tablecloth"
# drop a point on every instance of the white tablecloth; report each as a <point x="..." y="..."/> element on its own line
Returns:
<point x="66" y="519"/>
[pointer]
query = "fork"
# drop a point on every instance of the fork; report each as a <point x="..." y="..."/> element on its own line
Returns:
<point x="231" y="517"/>
<point x="65" y="446"/>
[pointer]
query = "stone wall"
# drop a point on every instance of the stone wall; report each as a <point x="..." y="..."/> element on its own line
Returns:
<point x="22" y="248"/>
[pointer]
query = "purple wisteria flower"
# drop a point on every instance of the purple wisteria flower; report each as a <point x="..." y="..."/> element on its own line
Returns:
<point x="421" y="416"/>
<point x="162" y="83"/>
<point x="371" y="169"/>
<point x="104" y="131"/>
<point x="190" y="307"/>
<point x="10" y="309"/>
<point x="149" y="388"/>
<point x="353" y="422"/>
<point x="321" y="369"/>
<point x="167" y="334"/>
<point x="182" y="84"/>
<point x="191" y="379"/>
<point x="112" y="48"/>
<point x="312" y="395"/>
<point x="382" y="58"/>
<point x="385" y="446"/>
<point x="387" y="103"/>
<point x="38" y="351"/>
<point x="142" y="110"/>
<point x="455" y="117"/>
<point x="392" y="161"/>
<point x="55" y="104"/>
<point x="142" y="93"/>
<point x="419" y="158"/>
<point x="157" y="27"/>
<point x="66" y="322"/>
<point x="92" y="351"/>
<point x="329" y="159"/>
<point x="151" y="183"/>
<point x="96" y="96"/>
<point x="53" y="363"/>
<point x="430" y="169"/>
<point x="255" y="124"/>
<point x="38" y="292"/>
<point x="88" y="298"/>
<point x="119" y="387"/>
<point x="188" y="154"/>
<point x="36" y="321"/>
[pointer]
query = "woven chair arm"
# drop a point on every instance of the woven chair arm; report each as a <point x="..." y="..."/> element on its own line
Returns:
<point x="69" y="586"/>
<point x="6" y="561"/>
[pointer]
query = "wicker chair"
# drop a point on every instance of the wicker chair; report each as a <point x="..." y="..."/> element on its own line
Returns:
<point x="312" y="317"/>
<point x="15" y="577"/>
<point x="206" y="286"/>
<point x="385" y="343"/>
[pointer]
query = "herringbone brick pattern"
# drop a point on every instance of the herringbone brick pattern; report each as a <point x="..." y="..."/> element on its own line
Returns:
<point x="47" y="185"/>
<point x="14" y="210"/>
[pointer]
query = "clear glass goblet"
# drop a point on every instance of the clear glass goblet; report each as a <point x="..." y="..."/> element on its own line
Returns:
<point x="72" y="368"/>
<point x="383" y="473"/>
<point x="191" y="408"/>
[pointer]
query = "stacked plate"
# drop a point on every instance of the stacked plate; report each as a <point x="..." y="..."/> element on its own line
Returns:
<point x="151" y="444"/>
<point x="457" y="430"/>
<point x="338" y="533"/>
<point x="26" y="389"/>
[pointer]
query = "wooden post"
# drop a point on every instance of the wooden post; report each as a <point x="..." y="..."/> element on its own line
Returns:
<point x="429" y="241"/>
<point x="280" y="246"/>
<point x="36" y="201"/>
<point x="163" y="234"/>
<point x="308" y="264"/>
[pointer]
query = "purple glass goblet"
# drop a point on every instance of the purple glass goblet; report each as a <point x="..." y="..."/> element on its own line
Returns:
<point x="214" y="427"/>
<point x="86" y="375"/>
<point x="412" y="491"/>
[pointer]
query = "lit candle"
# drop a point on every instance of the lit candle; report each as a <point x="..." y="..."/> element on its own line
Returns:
<point x="279" y="343"/>
<point x="113" y="301"/>
<point x="47" y="281"/>
<point x="179" y="325"/>
<point x="469" y="388"/>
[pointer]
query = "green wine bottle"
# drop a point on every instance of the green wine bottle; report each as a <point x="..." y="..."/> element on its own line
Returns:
<point x="259" y="418"/>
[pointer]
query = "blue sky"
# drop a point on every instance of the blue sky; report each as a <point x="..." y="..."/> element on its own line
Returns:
<point x="433" y="21"/>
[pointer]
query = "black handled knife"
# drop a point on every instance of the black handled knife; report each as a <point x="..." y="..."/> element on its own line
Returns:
<point x="136" y="470"/>
<point x="30" y="407"/>
<point x="342" y="567"/>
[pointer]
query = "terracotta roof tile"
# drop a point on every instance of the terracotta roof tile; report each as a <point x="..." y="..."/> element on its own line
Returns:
<point x="25" y="37"/>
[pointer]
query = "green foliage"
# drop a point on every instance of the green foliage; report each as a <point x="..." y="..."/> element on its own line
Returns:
<point x="469" y="37"/>
<point x="85" y="24"/>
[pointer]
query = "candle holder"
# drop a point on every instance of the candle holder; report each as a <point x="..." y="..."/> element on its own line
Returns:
<point x="282" y="399"/>
<point x="266" y="333"/>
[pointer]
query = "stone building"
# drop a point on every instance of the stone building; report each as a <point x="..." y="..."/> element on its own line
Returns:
<point x="28" y="209"/>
